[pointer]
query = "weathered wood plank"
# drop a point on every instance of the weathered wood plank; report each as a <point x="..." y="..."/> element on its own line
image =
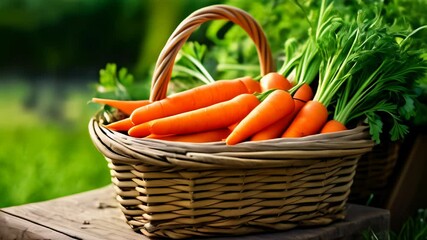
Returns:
<point x="95" y="215"/>
<point x="89" y="215"/>
<point x="12" y="227"/>
<point x="404" y="201"/>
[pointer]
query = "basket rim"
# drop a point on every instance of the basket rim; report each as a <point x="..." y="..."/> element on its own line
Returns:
<point x="120" y="147"/>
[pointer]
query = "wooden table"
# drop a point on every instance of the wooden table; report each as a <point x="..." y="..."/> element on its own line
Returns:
<point x="95" y="215"/>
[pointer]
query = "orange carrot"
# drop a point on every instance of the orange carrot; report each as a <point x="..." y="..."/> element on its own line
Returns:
<point x="126" y="106"/>
<point x="121" y="125"/>
<point x="195" y="98"/>
<point x="220" y="115"/>
<point x="274" y="80"/>
<point x="251" y="85"/>
<point x="272" y="131"/>
<point x="333" y="126"/>
<point x="304" y="93"/>
<point x="140" y="130"/>
<point x="200" y="137"/>
<point x="310" y="119"/>
<point x="301" y="96"/>
<point x="233" y="126"/>
<point x="276" y="105"/>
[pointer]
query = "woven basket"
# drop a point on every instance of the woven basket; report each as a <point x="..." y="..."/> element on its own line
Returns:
<point x="180" y="190"/>
<point x="374" y="173"/>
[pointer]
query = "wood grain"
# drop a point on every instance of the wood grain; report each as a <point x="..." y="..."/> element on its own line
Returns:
<point x="89" y="215"/>
<point x="12" y="227"/>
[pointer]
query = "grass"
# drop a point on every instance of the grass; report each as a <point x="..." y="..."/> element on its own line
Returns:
<point x="41" y="157"/>
<point x="414" y="228"/>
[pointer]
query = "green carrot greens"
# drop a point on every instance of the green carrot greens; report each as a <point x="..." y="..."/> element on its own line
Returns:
<point x="381" y="86"/>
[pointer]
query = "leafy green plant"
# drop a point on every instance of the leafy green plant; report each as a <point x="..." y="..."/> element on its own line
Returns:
<point x="114" y="84"/>
<point x="383" y="87"/>
<point x="190" y="68"/>
<point x="119" y="84"/>
<point x="189" y="63"/>
<point x="233" y="52"/>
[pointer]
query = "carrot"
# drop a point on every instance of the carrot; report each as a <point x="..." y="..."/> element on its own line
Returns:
<point x="276" y="105"/>
<point x="126" y="106"/>
<point x="304" y="93"/>
<point x="140" y="130"/>
<point x="301" y="96"/>
<point x="333" y="126"/>
<point x="233" y="126"/>
<point x="220" y="115"/>
<point x="272" y="131"/>
<point x="195" y="98"/>
<point x="251" y="85"/>
<point x="309" y="120"/>
<point x="274" y="80"/>
<point x="121" y="125"/>
<point x="200" y="137"/>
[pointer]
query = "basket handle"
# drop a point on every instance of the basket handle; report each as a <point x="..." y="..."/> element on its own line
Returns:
<point x="164" y="65"/>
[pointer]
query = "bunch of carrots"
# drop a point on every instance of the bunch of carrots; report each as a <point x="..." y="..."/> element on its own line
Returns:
<point x="230" y="110"/>
<point x="361" y="72"/>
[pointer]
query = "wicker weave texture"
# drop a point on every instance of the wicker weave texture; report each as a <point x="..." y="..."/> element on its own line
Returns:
<point x="374" y="173"/>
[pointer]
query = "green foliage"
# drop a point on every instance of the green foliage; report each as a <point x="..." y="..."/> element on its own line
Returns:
<point x="375" y="125"/>
<point x="118" y="84"/>
<point x="189" y="70"/>
<point x="233" y="52"/>
<point x="113" y="84"/>
<point x="410" y="13"/>
<point x="414" y="228"/>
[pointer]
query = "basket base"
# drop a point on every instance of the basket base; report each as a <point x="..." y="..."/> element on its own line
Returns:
<point x="177" y="203"/>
